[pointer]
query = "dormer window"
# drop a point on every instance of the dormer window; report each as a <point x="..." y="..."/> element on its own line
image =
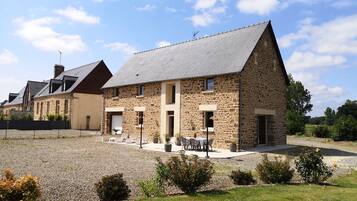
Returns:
<point x="68" y="82"/>
<point x="54" y="85"/>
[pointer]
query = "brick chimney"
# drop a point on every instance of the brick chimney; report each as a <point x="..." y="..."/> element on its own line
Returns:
<point x="58" y="70"/>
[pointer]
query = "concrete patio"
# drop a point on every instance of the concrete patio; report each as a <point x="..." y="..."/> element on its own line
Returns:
<point x="216" y="153"/>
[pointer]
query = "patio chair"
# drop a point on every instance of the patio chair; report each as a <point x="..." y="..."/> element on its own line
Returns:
<point x="184" y="143"/>
<point x="195" y="144"/>
<point x="210" y="142"/>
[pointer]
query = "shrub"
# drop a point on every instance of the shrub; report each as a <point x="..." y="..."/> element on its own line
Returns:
<point x="152" y="187"/>
<point x="112" y="188"/>
<point x="26" y="188"/>
<point x="277" y="171"/>
<point x="321" y="131"/>
<point x="58" y="118"/>
<point x="51" y="117"/>
<point x="187" y="173"/>
<point x="346" y="127"/>
<point x="242" y="178"/>
<point x="311" y="167"/>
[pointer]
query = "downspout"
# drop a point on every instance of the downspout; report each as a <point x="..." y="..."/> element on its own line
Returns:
<point x="239" y="111"/>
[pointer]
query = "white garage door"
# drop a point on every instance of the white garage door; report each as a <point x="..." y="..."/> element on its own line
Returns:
<point x="117" y="121"/>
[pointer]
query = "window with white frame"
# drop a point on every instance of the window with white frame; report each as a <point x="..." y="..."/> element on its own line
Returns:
<point x="208" y="120"/>
<point x="141" y="90"/>
<point x="209" y="84"/>
<point x="139" y="118"/>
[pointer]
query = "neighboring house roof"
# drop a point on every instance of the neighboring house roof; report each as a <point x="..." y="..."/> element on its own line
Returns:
<point x="80" y="72"/>
<point x="3" y="103"/>
<point x="18" y="99"/>
<point x="35" y="87"/>
<point x="222" y="53"/>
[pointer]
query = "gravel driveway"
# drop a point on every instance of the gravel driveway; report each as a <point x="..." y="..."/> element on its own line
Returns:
<point x="68" y="168"/>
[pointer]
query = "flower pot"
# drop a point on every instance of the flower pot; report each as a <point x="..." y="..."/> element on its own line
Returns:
<point x="178" y="142"/>
<point x="168" y="147"/>
<point x="233" y="147"/>
<point x="155" y="140"/>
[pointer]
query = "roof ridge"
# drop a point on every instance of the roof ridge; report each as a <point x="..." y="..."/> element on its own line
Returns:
<point x="36" y="81"/>
<point x="84" y="65"/>
<point x="204" y="37"/>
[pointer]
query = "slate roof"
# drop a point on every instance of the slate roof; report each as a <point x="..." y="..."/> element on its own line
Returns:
<point x="3" y="102"/>
<point x="222" y="53"/>
<point x="35" y="87"/>
<point x="18" y="99"/>
<point x="80" y="72"/>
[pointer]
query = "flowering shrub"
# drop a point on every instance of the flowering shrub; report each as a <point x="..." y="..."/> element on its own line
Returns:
<point x="311" y="167"/>
<point x="277" y="171"/>
<point x="187" y="173"/>
<point x="26" y="188"/>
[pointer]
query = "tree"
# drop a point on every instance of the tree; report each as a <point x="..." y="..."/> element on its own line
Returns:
<point x="330" y="116"/>
<point x="298" y="105"/>
<point x="298" y="97"/>
<point x="349" y="108"/>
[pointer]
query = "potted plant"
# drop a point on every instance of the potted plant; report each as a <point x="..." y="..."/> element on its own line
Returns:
<point x="233" y="146"/>
<point x="178" y="139"/>
<point x="168" y="145"/>
<point x="155" y="138"/>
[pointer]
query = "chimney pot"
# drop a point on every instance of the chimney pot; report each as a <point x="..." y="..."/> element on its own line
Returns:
<point x="58" y="70"/>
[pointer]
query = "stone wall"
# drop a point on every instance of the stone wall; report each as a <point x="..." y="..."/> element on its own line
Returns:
<point x="52" y="107"/>
<point x="128" y="99"/>
<point x="263" y="86"/>
<point x="224" y="96"/>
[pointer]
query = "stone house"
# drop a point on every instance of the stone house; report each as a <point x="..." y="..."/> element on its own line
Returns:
<point x="233" y="83"/>
<point x="74" y="94"/>
<point x="14" y="103"/>
<point x="22" y="102"/>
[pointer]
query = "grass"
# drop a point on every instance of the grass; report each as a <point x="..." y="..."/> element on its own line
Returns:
<point x="344" y="188"/>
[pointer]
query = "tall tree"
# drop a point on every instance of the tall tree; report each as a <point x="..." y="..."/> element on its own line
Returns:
<point x="298" y="97"/>
<point x="330" y="116"/>
<point x="298" y="105"/>
<point x="349" y="108"/>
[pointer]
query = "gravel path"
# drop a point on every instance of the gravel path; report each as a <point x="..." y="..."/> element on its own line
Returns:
<point x="68" y="168"/>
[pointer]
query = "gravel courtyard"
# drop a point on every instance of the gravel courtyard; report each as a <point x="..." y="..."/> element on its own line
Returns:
<point x="68" y="168"/>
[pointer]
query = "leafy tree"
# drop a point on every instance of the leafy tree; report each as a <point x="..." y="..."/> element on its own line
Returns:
<point x="298" y="97"/>
<point x="298" y="105"/>
<point x="316" y="120"/>
<point x="330" y="116"/>
<point x="349" y="108"/>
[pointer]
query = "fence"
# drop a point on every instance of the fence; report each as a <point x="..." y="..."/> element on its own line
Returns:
<point x="46" y="134"/>
<point x="33" y="125"/>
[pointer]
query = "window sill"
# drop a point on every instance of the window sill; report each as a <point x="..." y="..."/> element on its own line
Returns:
<point x="210" y="130"/>
<point x="208" y="91"/>
<point x="141" y="96"/>
<point x="115" y="98"/>
<point x="138" y="126"/>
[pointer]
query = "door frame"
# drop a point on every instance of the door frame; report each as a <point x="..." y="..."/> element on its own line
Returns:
<point x="266" y="130"/>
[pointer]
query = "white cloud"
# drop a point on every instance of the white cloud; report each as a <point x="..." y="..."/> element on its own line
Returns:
<point x="7" y="57"/>
<point x="9" y="84"/>
<point x="124" y="48"/>
<point x="41" y="35"/>
<point x="207" y="12"/>
<point x="260" y="7"/>
<point x="147" y="7"/>
<point x="304" y="60"/>
<point x="78" y="15"/>
<point x="204" y="4"/>
<point x="163" y="43"/>
<point x="98" y="1"/>
<point x="338" y="36"/>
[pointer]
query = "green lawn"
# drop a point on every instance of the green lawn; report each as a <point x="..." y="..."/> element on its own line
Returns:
<point x="345" y="188"/>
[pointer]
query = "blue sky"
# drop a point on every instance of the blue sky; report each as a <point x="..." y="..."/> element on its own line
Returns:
<point x="317" y="38"/>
